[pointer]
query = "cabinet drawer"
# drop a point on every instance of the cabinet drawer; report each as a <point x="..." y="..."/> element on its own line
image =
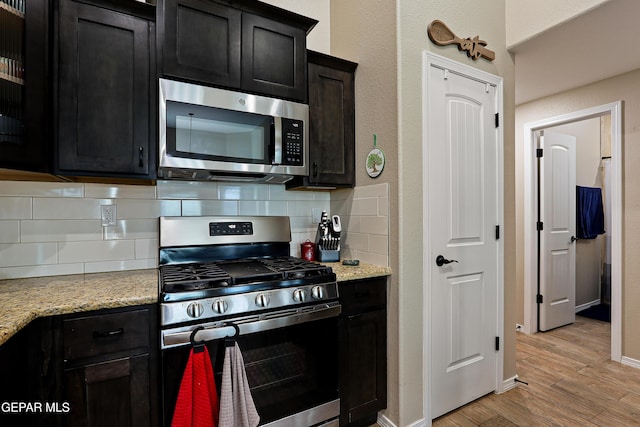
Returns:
<point x="107" y="333"/>
<point x="358" y="296"/>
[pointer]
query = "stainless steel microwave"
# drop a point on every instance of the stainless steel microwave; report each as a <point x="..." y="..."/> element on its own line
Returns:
<point x="214" y="134"/>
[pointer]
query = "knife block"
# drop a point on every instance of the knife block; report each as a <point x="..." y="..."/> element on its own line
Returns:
<point x="327" y="255"/>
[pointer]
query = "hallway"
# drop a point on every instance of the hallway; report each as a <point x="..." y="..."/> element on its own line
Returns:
<point x="571" y="382"/>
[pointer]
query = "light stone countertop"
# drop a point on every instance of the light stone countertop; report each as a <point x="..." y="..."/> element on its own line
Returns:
<point x="23" y="300"/>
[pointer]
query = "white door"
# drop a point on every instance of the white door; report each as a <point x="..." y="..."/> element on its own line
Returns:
<point x="557" y="237"/>
<point x="463" y="151"/>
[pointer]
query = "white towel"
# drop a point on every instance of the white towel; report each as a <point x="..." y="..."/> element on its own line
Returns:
<point x="236" y="404"/>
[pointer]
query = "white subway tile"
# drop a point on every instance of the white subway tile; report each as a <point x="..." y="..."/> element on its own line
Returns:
<point x="107" y="191"/>
<point x="342" y="194"/>
<point x="229" y="191"/>
<point x="15" y="207"/>
<point x="262" y="207"/>
<point x="68" y="208"/>
<point x="104" y="266"/>
<point x="146" y="248"/>
<point x="40" y="270"/>
<point x="302" y="224"/>
<point x="41" y="189"/>
<point x="357" y="241"/>
<point x="305" y="208"/>
<point x="375" y="225"/>
<point x="138" y="209"/>
<point x="371" y="258"/>
<point x="279" y="192"/>
<point x="209" y="207"/>
<point x="9" y="231"/>
<point x="109" y="250"/>
<point x="168" y="189"/>
<point x="60" y="230"/>
<point x="376" y="190"/>
<point x="379" y="244"/>
<point x="132" y="229"/>
<point x="383" y="206"/>
<point x="22" y="254"/>
<point x="367" y="206"/>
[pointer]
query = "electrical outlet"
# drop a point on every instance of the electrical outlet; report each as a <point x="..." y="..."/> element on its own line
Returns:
<point x="108" y="215"/>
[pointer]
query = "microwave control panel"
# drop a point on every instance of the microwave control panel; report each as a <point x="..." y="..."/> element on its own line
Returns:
<point x="292" y="142"/>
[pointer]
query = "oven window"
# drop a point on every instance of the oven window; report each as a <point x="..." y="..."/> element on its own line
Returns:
<point x="289" y="370"/>
<point x="217" y="134"/>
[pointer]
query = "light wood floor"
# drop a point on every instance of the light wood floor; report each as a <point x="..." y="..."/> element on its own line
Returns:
<point x="571" y="381"/>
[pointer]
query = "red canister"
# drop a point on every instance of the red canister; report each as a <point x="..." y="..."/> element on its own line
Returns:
<point x="308" y="250"/>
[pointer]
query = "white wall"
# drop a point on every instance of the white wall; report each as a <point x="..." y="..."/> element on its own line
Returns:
<point x="526" y="19"/>
<point x="319" y="39"/>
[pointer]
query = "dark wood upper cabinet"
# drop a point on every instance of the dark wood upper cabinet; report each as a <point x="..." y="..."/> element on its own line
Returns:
<point x="105" y="93"/>
<point x="241" y="44"/>
<point x="331" y="123"/>
<point x="24" y="113"/>
<point x="201" y="41"/>
<point x="273" y="58"/>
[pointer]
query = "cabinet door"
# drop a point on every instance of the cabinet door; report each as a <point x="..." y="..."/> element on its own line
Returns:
<point x="112" y="393"/>
<point x="201" y="41"/>
<point x="105" y="93"/>
<point x="24" y="108"/>
<point x="365" y="391"/>
<point x="332" y="126"/>
<point x="274" y="58"/>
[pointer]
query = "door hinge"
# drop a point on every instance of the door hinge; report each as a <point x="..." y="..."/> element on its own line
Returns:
<point x="497" y="119"/>
<point x="539" y="152"/>
<point x="539" y="226"/>
<point x="539" y="299"/>
<point x="497" y="343"/>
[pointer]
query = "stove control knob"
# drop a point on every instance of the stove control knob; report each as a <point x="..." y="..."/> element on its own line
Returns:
<point x="194" y="310"/>
<point x="298" y="295"/>
<point x="317" y="292"/>
<point x="220" y="306"/>
<point x="262" y="300"/>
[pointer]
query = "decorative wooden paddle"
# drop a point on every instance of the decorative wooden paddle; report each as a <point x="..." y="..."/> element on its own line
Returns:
<point x="441" y="35"/>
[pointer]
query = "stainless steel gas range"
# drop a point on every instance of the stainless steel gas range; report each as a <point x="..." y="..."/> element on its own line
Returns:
<point x="222" y="276"/>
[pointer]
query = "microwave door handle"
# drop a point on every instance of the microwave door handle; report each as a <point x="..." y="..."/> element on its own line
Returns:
<point x="277" y="140"/>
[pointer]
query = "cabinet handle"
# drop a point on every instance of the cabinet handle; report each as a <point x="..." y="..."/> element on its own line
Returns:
<point x="140" y="156"/>
<point x="97" y="334"/>
<point x="315" y="169"/>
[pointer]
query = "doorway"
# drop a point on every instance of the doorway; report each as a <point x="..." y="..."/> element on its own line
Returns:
<point x="614" y="110"/>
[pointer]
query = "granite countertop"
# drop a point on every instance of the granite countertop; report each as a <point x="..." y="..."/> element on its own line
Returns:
<point x="23" y="300"/>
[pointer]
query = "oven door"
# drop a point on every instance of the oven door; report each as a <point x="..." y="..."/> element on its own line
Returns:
<point x="291" y="365"/>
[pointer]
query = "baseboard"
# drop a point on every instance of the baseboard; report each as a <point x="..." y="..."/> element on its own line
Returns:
<point x="630" y="362"/>
<point x="384" y="421"/>
<point x="509" y="384"/>
<point x="587" y="305"/>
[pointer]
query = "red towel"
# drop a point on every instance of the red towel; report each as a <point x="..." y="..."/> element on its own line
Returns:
<point x="197" y="403"/>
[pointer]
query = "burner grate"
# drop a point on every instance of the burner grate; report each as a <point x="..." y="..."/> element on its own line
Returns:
<point x="190" y="277"/>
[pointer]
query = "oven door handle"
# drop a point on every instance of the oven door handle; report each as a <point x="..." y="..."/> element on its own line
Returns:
<point x="251" y="324"/>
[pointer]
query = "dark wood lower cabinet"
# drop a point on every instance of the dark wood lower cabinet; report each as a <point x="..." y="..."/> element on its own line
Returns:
<point x="363" y="347"/>
<point x="92" y="369"/>
<point x="110" y="393"/>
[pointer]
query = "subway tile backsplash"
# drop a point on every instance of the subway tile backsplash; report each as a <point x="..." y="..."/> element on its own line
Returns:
<point x="49" y="229"/>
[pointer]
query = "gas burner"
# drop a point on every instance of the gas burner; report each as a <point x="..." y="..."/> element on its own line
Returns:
<point x="192" y="277"/>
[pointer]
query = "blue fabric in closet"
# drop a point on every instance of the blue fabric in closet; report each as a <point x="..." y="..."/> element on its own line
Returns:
<point x="589" y="212"/>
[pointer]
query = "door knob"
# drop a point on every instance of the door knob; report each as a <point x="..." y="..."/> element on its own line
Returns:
<point x="573" y="239"/>
<point x="440" y="261"/>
